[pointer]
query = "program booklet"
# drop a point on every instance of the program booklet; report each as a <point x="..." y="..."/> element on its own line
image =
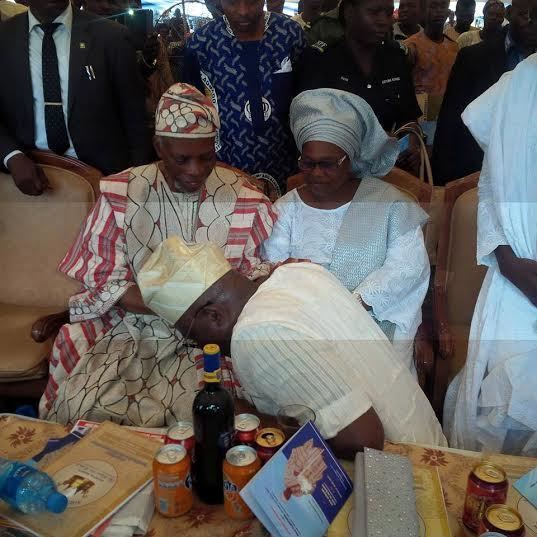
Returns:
<point x="301" y="489"/>
<point x="527" y="486"/>
<point x="99" y="474"/>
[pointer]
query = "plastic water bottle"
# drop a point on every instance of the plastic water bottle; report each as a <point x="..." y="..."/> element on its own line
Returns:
<point x="28" y="489"/>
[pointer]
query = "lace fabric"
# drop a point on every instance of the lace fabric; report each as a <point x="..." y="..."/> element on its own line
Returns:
<point x="303" y="231"/>
<point x="394" y="288"/>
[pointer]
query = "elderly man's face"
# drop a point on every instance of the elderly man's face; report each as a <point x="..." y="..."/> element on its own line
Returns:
<point x="186" y="163"/>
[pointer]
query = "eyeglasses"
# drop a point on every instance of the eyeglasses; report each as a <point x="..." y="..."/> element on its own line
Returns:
<point x="323" y="165"/>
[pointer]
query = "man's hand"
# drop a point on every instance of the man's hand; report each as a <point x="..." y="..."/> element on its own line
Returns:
<point x="519" y="271"/>
<point x="30" y="179"/>
<point x="290" y="260"/>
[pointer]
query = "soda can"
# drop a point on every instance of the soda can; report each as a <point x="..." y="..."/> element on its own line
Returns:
<point x="487" y="485"/>
<point x="503" y="520"/>
<point x="246" y="429"/>
<point x="267" y="442"/>
<point x="172" y="481"/>
<point x="240" y="465"/>
<point x="182" y="433"/>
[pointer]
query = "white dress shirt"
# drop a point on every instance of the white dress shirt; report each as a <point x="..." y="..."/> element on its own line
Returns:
<point x="62" y="39"/>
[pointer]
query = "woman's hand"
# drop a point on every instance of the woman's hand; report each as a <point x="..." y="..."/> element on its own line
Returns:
<point x="521" y="272"/>
<point x="289" y="260"/>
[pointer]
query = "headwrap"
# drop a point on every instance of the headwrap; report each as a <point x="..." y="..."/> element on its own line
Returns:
<point x="176" y="274"/>
<point x="345" y="120"/>
<point x="184" y="112"/>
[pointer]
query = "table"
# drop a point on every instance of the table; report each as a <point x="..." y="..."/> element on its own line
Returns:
<point x="21" y="438"/>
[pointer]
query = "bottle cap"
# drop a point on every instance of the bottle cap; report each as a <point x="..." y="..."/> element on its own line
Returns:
<point x="56" y="503"/>
<point x="211" y="358"/>
<point x="211" y="348"/>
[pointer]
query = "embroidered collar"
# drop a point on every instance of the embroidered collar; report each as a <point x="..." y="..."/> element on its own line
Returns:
<point x="230" y="30"/>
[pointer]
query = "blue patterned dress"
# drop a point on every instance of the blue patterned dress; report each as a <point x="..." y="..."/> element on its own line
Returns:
<point x="251" y="84"/>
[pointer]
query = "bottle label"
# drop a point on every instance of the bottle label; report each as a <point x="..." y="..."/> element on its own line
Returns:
<point x="15" y="478"/>
<point x="174" y="482"/>
<point x="213" y="376"/>
<point x="229" y="486"/>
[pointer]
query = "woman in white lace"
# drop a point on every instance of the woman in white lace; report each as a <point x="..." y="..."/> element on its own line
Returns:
<point x="492" y="404"/>
<point x="360" y="228"/>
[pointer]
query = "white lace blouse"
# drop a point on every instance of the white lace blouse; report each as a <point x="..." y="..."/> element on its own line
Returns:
<point x="303" y="231"/>
<point x="395" y="291"/>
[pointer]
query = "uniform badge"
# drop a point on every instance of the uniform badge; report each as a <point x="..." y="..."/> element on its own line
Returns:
<point x="320" y="46"/>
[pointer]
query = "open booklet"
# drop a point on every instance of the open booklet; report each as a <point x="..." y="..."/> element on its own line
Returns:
<point x="300" y="489"/>
<point x="99" y="474"/>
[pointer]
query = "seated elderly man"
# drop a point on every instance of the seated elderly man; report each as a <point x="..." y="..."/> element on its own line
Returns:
<point x="299" y="337"/>
<point x="116" y="359"/>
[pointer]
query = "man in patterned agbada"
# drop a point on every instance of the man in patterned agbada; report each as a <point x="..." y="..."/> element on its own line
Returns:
<point x="116" y="359"/>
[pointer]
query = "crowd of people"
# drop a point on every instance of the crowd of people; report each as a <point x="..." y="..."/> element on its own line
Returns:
<point x="314" y="294"/>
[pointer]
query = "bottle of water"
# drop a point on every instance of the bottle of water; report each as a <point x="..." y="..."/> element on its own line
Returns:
<point x="28" y="489"/>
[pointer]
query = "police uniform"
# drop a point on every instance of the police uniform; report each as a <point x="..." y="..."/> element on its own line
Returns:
<point x="327" y="28"/>
<point x="389" y="89"/>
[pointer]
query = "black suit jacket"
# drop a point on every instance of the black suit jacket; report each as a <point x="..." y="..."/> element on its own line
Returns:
<point x="106" y="115"/>
<point x="477" y="68"/>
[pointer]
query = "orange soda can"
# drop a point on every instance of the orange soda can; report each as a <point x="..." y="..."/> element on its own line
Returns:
<point x="172" y="481"/>
<point x="240" y="465"/>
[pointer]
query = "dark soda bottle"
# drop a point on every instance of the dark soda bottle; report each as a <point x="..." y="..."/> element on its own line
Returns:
<point x="213" y="414"/>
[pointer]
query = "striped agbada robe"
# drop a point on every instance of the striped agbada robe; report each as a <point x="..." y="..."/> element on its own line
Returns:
<point x="135" y="368"/>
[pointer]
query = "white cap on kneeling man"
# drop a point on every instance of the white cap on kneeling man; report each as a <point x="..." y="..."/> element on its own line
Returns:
<point x="176" y="274"/>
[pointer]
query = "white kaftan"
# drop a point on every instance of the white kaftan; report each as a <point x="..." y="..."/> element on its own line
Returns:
<point x="492" y="404"/>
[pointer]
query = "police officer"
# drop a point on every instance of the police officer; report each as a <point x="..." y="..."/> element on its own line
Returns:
<point x="365" y="63"/>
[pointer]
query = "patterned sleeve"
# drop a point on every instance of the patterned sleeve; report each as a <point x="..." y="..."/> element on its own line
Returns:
<point x="489" y="231"/>
<point x="252" y="265"/>
<point x="98" y="261"/>
<point x="396" y="290"/>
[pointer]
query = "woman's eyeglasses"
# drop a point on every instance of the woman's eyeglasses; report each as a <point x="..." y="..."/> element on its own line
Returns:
<point x="307" y="165"/>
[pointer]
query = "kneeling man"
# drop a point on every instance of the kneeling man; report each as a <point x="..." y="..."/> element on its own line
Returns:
<point x="299" y="337"/>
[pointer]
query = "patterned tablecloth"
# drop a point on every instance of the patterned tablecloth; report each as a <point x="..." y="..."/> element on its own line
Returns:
<point x="21" y="438"/>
